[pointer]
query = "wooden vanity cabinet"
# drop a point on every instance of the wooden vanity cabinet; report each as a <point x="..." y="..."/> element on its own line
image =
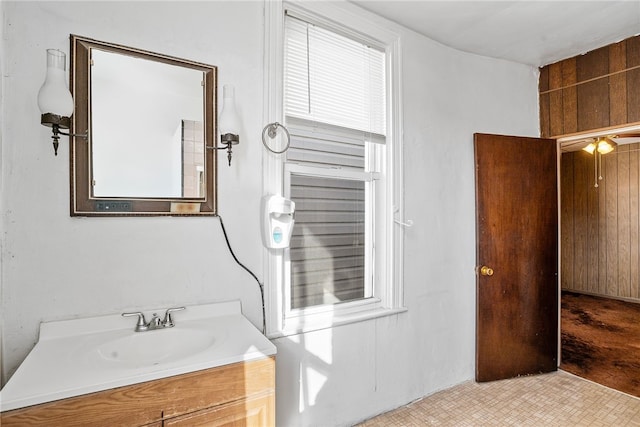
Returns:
<point x="249" y="412"/>
<point x="237" y="394"/>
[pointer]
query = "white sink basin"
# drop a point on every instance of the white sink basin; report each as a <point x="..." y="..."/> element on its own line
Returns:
<point x="79" y="356"/>
<point x="154" y="347"/>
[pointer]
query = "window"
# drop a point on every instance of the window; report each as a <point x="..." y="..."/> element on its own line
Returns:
<point x="331" y="237"/>
<point x="342" y="264"/>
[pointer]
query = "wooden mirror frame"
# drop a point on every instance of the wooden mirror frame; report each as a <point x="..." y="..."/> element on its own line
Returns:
<point x="83" y="203"/>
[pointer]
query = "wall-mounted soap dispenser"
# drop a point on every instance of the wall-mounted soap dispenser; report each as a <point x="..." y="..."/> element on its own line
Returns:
<point x="277" y="221"/>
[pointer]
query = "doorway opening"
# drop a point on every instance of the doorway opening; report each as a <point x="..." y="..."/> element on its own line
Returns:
<point x="600" y="258"/>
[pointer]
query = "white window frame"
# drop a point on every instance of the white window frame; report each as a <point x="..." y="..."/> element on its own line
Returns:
<point x="387" y="263"/>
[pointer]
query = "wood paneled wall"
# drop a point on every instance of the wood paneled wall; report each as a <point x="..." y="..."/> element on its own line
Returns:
<point x="596" y="90"/>
<point x="600" y="227"/>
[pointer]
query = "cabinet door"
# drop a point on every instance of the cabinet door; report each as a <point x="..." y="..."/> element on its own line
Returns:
<point x="255" y="411"/>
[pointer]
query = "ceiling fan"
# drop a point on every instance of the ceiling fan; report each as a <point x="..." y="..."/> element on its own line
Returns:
<point x="599" y="145"/>
<point x="590" y="144"/>
<point x="629" y="138"/>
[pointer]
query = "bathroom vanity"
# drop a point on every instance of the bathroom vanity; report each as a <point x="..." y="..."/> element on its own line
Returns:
<point x="213" y="368"/>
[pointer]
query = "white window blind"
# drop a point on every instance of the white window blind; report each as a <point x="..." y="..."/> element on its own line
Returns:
<point x="333" y="79"/>
<point x="325" y="145"/>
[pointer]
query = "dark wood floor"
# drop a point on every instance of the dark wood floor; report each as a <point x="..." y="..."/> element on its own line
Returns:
<point x="601" y="340"/>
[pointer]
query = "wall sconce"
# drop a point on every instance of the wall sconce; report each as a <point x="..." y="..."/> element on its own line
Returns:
<point x="228" y="123"/>
<point x="602" y="145"/>
<point x="54" y="99"/>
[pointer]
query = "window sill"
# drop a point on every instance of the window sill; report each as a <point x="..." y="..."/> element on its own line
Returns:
<point x="312" y="323"/>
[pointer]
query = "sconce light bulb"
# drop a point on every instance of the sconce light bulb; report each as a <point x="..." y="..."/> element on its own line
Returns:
<point x="54" y="96"/>
<point x="229" y="122"/>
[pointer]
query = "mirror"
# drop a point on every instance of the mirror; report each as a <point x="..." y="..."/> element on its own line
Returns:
<point x="149" y="119"/>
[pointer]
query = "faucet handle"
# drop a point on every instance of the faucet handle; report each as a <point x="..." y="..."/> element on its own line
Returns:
<point x="168" y="319"/>
<point x="142" y="322"/>
<point x="155" y="322"/>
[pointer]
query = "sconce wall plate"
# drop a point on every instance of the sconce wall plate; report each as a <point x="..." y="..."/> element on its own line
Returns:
<point x="229" y="122"/>
<point x="229" y="140"/>
<point x="52" y="120"/>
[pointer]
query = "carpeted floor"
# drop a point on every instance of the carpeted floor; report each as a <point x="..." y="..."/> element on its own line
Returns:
<point x="601" y="340"/>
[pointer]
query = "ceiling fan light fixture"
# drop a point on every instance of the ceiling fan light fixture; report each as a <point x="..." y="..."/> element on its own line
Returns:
<point x="605" y="145"/>
<point x="590" y="148"/>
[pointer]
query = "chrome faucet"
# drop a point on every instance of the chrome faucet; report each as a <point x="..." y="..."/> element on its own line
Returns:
<point x="155" y="322"/>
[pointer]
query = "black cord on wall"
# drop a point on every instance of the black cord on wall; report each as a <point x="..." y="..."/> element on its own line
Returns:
<point x="260" y="285"/>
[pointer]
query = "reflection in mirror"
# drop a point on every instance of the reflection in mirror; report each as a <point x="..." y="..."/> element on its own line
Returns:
<point x="146" y="158"/>
<point x="150" y="118"/>
<point x="192" y="151"/>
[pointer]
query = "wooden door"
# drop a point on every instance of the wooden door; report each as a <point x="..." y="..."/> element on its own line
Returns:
<point x="517" y="243"/>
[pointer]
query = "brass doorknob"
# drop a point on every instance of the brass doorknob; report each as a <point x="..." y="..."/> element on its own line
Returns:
<point x="486" y="271"/>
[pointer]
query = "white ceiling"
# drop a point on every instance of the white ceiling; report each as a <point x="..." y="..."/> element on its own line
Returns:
<point x="526" y="31"/>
